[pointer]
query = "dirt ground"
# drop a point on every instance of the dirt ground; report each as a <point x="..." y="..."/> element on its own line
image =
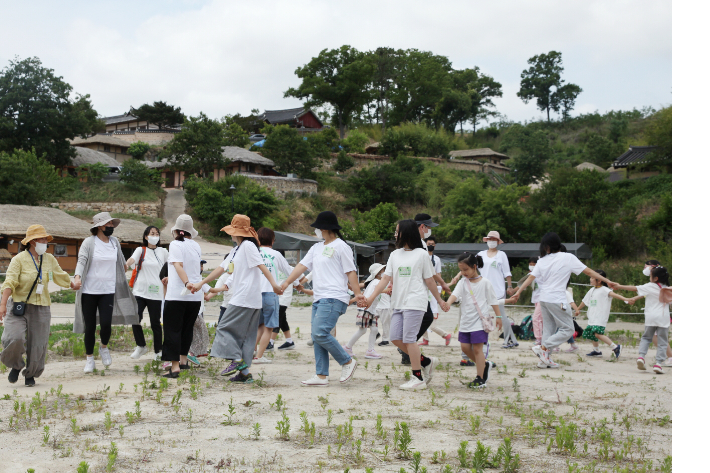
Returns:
<point x="193" y="432"/>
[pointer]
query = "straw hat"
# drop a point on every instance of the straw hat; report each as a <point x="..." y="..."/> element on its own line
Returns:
<point x="375" y="269"/>
<point x="103" y="218"/>
<point x="240" y="226"/>
<point x="493" y="235"/>
<point x="184" y="223"/>
<point x="34" y="232"/>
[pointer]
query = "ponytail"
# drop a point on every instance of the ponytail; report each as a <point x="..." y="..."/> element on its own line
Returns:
<point x="471" y="260"/>
<point x="662" y="274"/>
<point x="181" y="234"/>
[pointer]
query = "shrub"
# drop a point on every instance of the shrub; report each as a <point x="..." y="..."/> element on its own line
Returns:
<point x="26" y="179"/>
<point x="411" y="139"/>
<point x="93" y="173"/>
<point x="343" y="162"/>
<point x="393" y="182"/>
<point x="355" y="142"/>
<point x="138" y="149"/>
<point x="137" y="175"/>
<point x="376" y="224"/>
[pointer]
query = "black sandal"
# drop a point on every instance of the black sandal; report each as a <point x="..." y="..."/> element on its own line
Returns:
<point x="171" y="374"/>
<point x="184" y="367"/>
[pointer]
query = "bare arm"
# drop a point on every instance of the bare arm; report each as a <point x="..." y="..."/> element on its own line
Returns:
<point x="352" y="279"/>
<point x="619" y="297"/>
<point x="432" y="287"/>
<point x="527" y="282"/>
<point x="499" y="320"/>
<point x="297" y="271"/>
<point x="510" y="290"/>
<point x="455" y="279"/>
<point x="593" y="274"/>
<point x="627" y="288"/>
<point x="217" y="272"/>
<point x="439" y="280"/>
<point x="378" y="290"/>
<point x="277" y="289"/>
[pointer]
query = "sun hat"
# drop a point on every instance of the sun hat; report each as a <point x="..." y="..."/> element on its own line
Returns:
<point x="493" y="235"/>
<point x="326" y="221"/>
<point x="103" y="218"/>
<point x="241" y="226"/>
<point x="34" y="232"/>
<point x="184" y="223"/>
<point x="375" y="269"/>
<point x="425" y="219"/>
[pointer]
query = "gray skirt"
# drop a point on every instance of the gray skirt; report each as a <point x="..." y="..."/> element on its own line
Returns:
<point x="236" y="334"/>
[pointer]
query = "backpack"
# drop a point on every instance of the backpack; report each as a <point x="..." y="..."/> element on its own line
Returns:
<point x="577" y="329"/>
<point x="526" y="329"/>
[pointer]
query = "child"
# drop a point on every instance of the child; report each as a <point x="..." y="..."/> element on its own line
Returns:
<point x="657" y="316"/>
<point x="477" y="297"/>
<point x="228" y="293"/>
<point x="569" y="293"/>
<point x="598" y="299"/>
<point x="647" y="267"/>
<point x="535" y="299"/>
<point x="384" y="313"/>
<point x="200" y="336"/>
<point x="367" y="317"/>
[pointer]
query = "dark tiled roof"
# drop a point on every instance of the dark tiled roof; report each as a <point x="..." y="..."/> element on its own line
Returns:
<point x="126" y="117"/>
<point x="476" y="153"/>
<point x="635" y="155"/>
<point x="281" y="116"/>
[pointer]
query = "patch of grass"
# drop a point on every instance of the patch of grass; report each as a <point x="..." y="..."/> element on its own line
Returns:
<point x="112" y="192"/>
<point x="64" y="296"/>
<point x="148" y="220"/>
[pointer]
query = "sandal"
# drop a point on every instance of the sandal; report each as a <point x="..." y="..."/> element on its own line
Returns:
<point x="172" y="374"/>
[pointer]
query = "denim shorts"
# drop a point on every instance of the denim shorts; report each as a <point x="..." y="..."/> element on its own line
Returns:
<point x="270" y="309"/>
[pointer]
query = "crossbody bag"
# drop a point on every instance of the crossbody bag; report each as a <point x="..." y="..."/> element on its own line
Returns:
<point x="486" y="320"/>
<point x="18" y="308"/>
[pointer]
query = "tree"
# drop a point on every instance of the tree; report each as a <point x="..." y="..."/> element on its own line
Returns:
<point x="453" y="108"/>
<point x="535" y="150"/>
<point x="410" y="139"/>
<point x="26" y="179"/>
<point x="355" y="142"/>
<point x="197" y="148"/>
<point x="601" y="151"/>
<point x="659" y="132"/>
<point x="384" y="62"/>
<point x="138" y="149"/>
<point x="343" y="162"/>
<point x="338" y="77"/>
<point x="373" y="225"/>
<point x="290" y="152"/>
<point x="543" y="82"/>
<point x="234" y="135"/>
<point x="160" y="113"/>
<point x="392" y="182"/>
<point x="250" y="123"/>
<point x="137" y="175"/>
<point x="482" y="92"/>
<point x="38" y="112"/>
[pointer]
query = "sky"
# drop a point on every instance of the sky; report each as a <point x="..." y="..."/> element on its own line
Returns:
<point x="225" y="57"/>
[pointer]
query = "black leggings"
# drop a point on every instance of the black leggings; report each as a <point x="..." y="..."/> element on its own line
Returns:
<point x="426" y="321"/>
<point x="154" y="314"/>
<point x="90" y="303"/>
<point x="283" y="323"/>
<point x="179" y="317"/>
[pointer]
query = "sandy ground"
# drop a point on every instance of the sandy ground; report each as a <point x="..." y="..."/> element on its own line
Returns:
<point x="194" y="438"/>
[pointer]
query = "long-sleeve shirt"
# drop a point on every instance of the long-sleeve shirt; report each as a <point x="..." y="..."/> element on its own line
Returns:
<point x="22" y="272"/>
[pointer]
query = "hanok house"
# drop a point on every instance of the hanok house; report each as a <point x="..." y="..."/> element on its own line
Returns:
<point x="127" y="122"/>
<point x="482" y="155"/>
<point x="114" y="147"/>
<point x="300" y="117"/>
<point x="68" y="232"/>
<point x="85" y="156"/>
<point x="627" y="165"/>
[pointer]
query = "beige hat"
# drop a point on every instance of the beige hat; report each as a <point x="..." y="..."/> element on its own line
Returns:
<point x="103" y="218"/>
<point x="375" y="269"/>
<point x="35" y="232"/>
<point x="493" y="235"/>
<point x="184" y="223"/>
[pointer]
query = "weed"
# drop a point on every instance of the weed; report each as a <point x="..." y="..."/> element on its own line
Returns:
<point x="259" y="381"/>
<point x="120" y="430"/>
<point x="45" y="436"/>
<point x="256" y="431"/>
<point x="83" y="467"/>
<point x="666" y="465"/>
<point x="112" y="457"/>
<point x="329" y="419"/>
<point x="107" y="422"/>
<point x="459" y="412"/>
<point x="516" y="386"/>
<point x="138" y="409"/>
<point x="463" y="454"/>
<point x="407" y="375"/>
<point x="386" y="389"/>
<point x="522" y="373"/>
<point x="403" y="439"/>
<point x="283" y="426"/>
<point x="505" y="458"/>
<point x="475" y="423"/>
<point x="74" y="427"/>
<point x="416" y="462"/>
<point x="479" y="461"/>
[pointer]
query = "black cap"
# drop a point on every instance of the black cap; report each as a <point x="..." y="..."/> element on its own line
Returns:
<point x="425" y="219"/>
<point x="326" y="221"/>
<point x="203" y="262"/>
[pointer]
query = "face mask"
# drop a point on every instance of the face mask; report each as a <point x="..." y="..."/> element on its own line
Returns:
<point x="40" y="248"/>
<point x="427" y="233"/>
<point x="492" y="243"/>
<point x="153" y="240"/>
<point x="647" y="271"/>
<point x="430" y="248"/>
<point x="531" y="268"/>
<point x="319" y="234"/>
<point x="108" y="231"/>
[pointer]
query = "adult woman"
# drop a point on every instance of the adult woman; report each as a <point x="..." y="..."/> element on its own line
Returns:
<point x="100" y="278"/>
<point x="331" y="262"/>
<point x="181" y="305"/>
<point x="148" y="290"/>
<point x="497" y="270"/>
<point x="26" y="280"/>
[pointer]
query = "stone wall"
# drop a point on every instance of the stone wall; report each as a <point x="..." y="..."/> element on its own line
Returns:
<point x="150" y="209"/>
<point x="283" y="185"/>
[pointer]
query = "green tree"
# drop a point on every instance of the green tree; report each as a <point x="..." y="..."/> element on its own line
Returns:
<point x="26" y="179"/>
<point x="343" y="161"/>
<point x="373" y="225"/>
<point x="137" y="175"/>
<point x="659" y="132"/>
<point x="392" y="182"/>
<point x="250" y="123"/>
<point x="453" y="108"/>
<point x="138" y="149"/>
<point x="543" y="82"/>
<point x="290" y="152"/>
<point x="38" y="112"/>
<point x="93" y="173"/>
<point x="384" y="61"/>
<point x="160" y="113"/>
<point x="601" y="151"/>
<point x="338" y="77"/>
<point x="234" y="135"/>
<point x="410" y="139"/>
<point x="197" y="148"/>
<point x="534" y="151"/>
<point x="355" y="142"/>
<point x="564" y="98"/>
<point x="482" y="92"/>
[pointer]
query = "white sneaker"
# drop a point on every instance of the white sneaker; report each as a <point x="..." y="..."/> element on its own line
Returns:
<point x="572" y="349"/>
<point x="138" y="352"/>
<point x="668" y="363"/>
<point x="641" y="363"/>
<point x="105" y="356"/>
<point x="315" y="381"/>
<point x="657" y="369"/>
<point x="261" y="361"/>
<point x="373" y="355"/>
<point x="309" y="343"/>
<point x="542" y="354"/>
<point x="543" y="366"/>
<point x="348" y="371"/>
<point x="414" y="384"/>
<point x="158" y="356"/>
<point x="90" y="365"/>
<point x="428" y="371"/>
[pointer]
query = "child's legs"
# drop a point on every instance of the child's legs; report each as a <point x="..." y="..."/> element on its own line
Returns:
<point x="554" y="318"/>
<point x="662" y="334"/>
<point x="646" y="339"/>
<point x="360" y="332"/>
<point x="537" y="322"/>
<point x="508" y="334"/>
<point x="595" y="344"/>
<point x="434" y="328"/>
<point x="479" y="358"/>
<point x="373" y="338"/>
<point x="605" y="339"/>
<point x="385" y="320"/>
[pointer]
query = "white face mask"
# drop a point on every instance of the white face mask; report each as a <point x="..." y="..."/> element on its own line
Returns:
<point x="427" y="233"/>
<point x="646" y="270"/>
<point x="492" y="243"/>
<point x="153" y="240"/>
<point x="319" y="234"/>
<point x="40" y="248"/>
<point x="531" y="268"/>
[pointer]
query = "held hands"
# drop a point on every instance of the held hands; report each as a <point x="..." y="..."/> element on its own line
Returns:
<point x="446" y="288"/>
<point x="514" y="298"/>
<point x="444" y="305"/>
<point x="277" y="289"/>
<point x="576" y="313"/>
<point x="284" y="286"/>
<point x="194" y="287"/>
<point x="613" y="285"/>
<point x="499" y="323"/>
<point x="510" y="291"/>
<point x="76" y="285"/>
<point x="165" y="281"/>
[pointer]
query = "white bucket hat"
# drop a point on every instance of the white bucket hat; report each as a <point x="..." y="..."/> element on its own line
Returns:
<point x="184" y="223"/>
<point x="375" y="269"/>
<point x="103" y="218"/>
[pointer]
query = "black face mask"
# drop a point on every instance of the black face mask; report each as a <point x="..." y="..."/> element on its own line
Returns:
<point x="430" y="248"/>
<point x="108" y="231"/>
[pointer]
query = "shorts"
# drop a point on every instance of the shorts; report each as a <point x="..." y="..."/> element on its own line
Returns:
<point x="479" y="336"/>
<point x="590" y="332"/>
<point x="270" y="309"/>
<point x="405" y="325"/>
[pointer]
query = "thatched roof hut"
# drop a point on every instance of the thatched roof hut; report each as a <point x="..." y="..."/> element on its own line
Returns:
<point x="91" y="156"/>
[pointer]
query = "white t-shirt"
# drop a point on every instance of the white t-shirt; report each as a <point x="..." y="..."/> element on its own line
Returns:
<point x="432" y="301"/>
<point x="245" y="282"/>
<point x="485" y="296"/>
<point x="598" y="302"/>
<point x="495" y="269"/>
<point x="330" y="265"/>
<point x="535" y="291"/>
<point x="205" y="289"/>
<point x="226" y="295"/>
<point x="101" y="278"/>
<point x="554" y="271"/>
<point x="368" y="292"/>
<point x="657" y="313"/>
<point x="275" y="263"/>
<point x="408" y="269"/>
<point x="148" y="284"/>
<point x="189" y="254"/>
<point x="230" y="257"/>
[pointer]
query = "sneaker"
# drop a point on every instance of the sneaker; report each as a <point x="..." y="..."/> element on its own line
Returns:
<point x="487" y="371"/>
<point x="270" y="346"/>
<point x="477" y="383"/>
<point x="14" y="374"/>
<point x="309" y="343"/>
<point x="383" y="344"/>
<point x="555" y="350"/>
<point x="348" y="350"/>
<point x="288" y="346"/>
<point x="167" y="365"/>
<point x="105" y="356"/>
<point x="657" y="369"/>
<point x="424" y="343"/>
<point x="447" y="339"/>
<point x="315" y="381"/>
<point x="553" y="365"/>
<point x="668" y="363"/>
<point x="372" y="355"/>
<point x="193" y="359"/>
<point x="538" y="342"/>
<point x="493" y="364"/>
<point x="595" y="353"/>
<point x="29" y="381"/>
<point x="414" y="384"/>
<point x="138" y="352"/>
<point x="242" y="379"/>
<point x="428" y="371"/>
<point x="544" y="366"/>
<point x="158" y="355"/>
<point x="572" y="349"/>
<point x="231" y="369"/>
<point x="261" y="361"/>
<point x="542" y="354"/>
<point x="90" y="365"/>
<point x="348" y="370"/>
<point x="505" y="345"/>
<point x="641" y="363"/>
<point x="467" y="363"/>
<point x="617" y="351"/>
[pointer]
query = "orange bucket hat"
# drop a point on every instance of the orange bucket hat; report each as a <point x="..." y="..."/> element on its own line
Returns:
<point x="34" y="232"/>
<point x="241" y="226"/>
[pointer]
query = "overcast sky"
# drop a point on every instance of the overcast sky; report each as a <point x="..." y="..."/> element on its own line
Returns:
<point x="225" y="57"/>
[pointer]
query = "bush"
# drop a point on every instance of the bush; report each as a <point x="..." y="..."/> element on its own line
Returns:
<point x="355" y="142"/>
<point x="138" y="149"/>
<point x="26" y="179"/>
<point x="137" y="175"/>
<point x="394" y="182"/>
<point x="411" y="139"/>
<point x="374" y="225"/>
<point x="343" y="162"/>
<point x="93" y="173"/>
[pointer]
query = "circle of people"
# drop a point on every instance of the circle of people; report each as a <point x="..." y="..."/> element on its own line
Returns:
<point x="401" y="298"/>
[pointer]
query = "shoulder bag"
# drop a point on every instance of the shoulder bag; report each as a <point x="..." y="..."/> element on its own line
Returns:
<point x="18" y="308"/>
<point x="137" y="269"/>
<point x="486" y="320"/>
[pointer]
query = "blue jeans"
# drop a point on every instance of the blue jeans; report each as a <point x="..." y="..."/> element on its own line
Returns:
<point x="270" y="309"/>
<point x="324" y="316"/>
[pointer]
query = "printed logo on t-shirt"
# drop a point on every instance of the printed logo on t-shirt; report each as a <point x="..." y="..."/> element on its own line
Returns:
<point x="405" y="271"/>
<point x="328" y="251"/>
<point x="494" y="264"/>
<point x="593" y="302"/>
